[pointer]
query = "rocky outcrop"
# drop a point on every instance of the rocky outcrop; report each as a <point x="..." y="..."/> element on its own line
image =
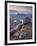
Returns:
<point x="22" y="31"/>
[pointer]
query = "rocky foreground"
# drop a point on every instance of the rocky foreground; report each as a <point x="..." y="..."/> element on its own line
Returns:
<point x="22" y="30"/>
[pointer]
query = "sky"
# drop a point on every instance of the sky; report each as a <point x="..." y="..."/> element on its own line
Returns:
<point x="21" y="8"/>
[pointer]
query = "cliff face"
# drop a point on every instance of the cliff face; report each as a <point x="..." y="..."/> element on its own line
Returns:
<point x="22" y="30"/>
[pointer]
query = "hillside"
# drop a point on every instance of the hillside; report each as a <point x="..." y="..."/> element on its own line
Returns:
<point x="20" y="26"/>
